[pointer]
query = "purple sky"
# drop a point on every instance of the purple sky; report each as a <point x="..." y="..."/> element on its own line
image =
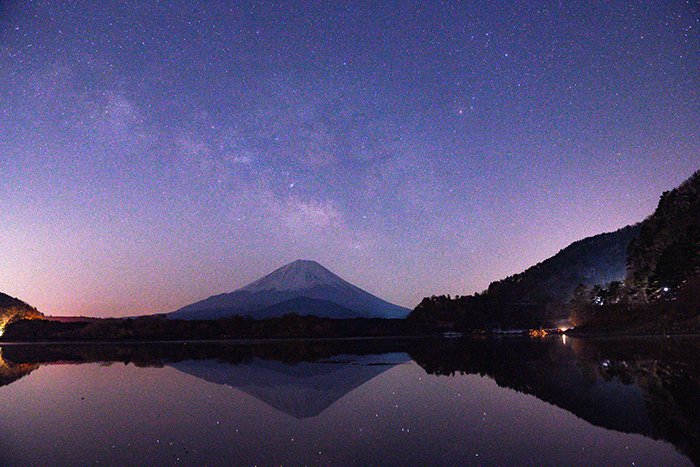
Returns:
<point x="154" y="154"/>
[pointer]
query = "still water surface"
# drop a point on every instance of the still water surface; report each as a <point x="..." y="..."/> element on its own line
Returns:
<point x="481" y="402"/>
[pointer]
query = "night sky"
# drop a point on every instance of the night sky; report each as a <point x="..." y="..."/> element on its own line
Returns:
<point x="153" y="154"/>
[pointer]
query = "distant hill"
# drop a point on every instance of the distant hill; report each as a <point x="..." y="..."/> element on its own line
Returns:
<point x="13" y="309"/>
<point x="539" y="295"/>
<point x="302" y="287"/>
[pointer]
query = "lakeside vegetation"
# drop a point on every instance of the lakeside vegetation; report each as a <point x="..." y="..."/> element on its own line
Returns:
<point x="150" y="328"/>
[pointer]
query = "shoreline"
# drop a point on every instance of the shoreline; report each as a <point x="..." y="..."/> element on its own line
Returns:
<point x="613" y="335"/>
<point x="258" y="340"/>
<point x="282" y="340"/>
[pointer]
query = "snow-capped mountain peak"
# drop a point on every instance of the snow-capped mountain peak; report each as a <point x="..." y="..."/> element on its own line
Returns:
<point x="298" y="275"/>
<point x="302" y="287"/>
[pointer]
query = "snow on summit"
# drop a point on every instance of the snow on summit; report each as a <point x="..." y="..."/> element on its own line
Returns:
<point x="303" y="287"/>
<point x="298" y="275"/>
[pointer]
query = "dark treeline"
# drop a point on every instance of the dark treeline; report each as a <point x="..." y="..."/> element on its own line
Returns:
<point x="603" y="311"/>
<point x="480" y="312"/>
<point x="151" y="328"/>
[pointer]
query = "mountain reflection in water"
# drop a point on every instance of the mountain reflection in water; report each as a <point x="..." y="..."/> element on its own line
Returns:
<point x="647" y="386"/>
<point x="303" y="389"/>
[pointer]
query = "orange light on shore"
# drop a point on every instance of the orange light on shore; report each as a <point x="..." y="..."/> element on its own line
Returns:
<point x="4" y="321"/>
<point x="10" y="315"/>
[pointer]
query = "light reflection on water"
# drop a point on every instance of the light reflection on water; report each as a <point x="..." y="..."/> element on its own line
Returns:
<point x="506" y="402"/>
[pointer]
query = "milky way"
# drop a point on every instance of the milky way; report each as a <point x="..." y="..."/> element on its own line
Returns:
<point x="153" y="154"/>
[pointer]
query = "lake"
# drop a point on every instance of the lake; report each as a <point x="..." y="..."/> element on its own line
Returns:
<point x="510" y="401"/>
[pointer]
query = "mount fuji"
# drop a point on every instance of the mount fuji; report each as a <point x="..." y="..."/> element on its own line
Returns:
<point x="303" y="287"/>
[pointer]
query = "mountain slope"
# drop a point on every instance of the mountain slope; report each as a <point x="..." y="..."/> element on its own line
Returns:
<point x="300" y="279"/>
<point x="7" y="302"/>
<point x="306" y="306"/>
<point x="594" y="260"/>
<point x="538" y="295"/>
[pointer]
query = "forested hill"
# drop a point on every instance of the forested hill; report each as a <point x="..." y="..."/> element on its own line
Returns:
<point x="594" y="260"/>
<point x="661" y="292"/>
<point x="537" y="296"/>
<point x="666" y="255"/>
<point x="14" y="309"/>
<point x="7" y="302"/>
